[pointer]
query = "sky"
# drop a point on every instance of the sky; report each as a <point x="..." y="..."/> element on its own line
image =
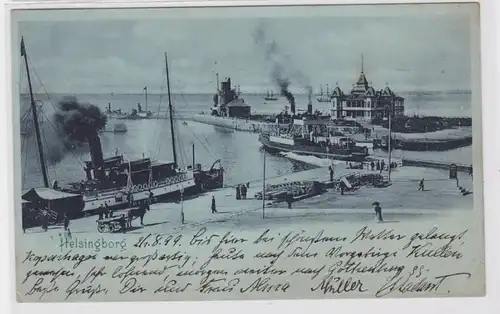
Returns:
<point x="410" y="48"/>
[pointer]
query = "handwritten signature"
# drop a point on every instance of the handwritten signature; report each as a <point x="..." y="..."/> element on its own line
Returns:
<point x="415" y="281"/>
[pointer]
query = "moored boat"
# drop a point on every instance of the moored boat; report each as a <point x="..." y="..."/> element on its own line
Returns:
<point x="311" y="136"/>
<point x="119" y="181"/>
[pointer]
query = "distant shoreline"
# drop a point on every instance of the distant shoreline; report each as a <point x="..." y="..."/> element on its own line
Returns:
<point x="408" y="93"/>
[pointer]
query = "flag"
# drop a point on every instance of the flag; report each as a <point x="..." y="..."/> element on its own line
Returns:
<point x="145" y="88"/>
<point x="23" y="49"/>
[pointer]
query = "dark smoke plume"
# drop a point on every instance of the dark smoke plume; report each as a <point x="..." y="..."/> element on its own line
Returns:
<point x="81" y="123"/>
<point x="283" y="84"/>
<point x="282" y="67"/>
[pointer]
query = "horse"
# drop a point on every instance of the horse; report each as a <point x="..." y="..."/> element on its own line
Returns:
<point x="138" y="213"/>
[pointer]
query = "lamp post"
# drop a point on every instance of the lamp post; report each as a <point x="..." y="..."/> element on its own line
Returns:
<point x="182" y="205"/>
<point x="389" y="109"/>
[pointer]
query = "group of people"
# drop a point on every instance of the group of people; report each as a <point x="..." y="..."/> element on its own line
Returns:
<point x="241" y="191"/>
<point x="104" y="211"/>
<point x="43" y="217"/>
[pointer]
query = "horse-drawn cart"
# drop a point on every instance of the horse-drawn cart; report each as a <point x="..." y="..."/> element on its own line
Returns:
<point x="121" y="220"/>
<point x="113" y="224"/>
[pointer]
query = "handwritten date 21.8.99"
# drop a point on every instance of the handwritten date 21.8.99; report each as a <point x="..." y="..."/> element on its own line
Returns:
<point x="158" y="240"/>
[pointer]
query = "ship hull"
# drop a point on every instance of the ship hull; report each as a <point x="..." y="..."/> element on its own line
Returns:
<point x="167" y="191"/>
<point x="317" y="151"/>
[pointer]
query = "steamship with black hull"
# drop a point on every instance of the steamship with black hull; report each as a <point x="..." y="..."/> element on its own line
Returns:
<point x="116" y="181"/>
<point x="312" y="134"/>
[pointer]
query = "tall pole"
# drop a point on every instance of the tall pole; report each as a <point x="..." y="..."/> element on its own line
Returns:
<point x="389" y="143"/>
<point x="193" y="157"/>
<point x="35" y="118"/>
<point x="171" y="111"/>
<point x="182" y="205"/>
<point x="264" y="187"/>
<point x="146" y="97"/>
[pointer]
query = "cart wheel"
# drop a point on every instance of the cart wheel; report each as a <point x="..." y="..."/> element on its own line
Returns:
<point x="100" y="228"/>
<point x="109" y="228"/>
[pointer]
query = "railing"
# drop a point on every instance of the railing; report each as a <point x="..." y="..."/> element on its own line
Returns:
<point x="139" y="187"/>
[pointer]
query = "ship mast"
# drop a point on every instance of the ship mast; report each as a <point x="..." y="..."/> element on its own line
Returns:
<point x="170" y="109"/>
<point x="35" y="118"/>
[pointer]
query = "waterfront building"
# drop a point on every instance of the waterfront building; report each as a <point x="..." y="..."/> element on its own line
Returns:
<point x="227" y="101"/>
<point x="364" y="102"/>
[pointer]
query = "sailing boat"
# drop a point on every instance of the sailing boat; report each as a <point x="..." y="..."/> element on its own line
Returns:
<point x="270" y="96"/>
<point x="53" y="202"/>
<point x="322" y="97"/>
<point x="116" y="181"/>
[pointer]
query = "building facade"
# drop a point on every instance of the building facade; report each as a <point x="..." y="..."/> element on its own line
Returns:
<point x="365" y="103"/>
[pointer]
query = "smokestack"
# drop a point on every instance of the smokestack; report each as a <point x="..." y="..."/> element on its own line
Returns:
<point x="309" y="102"/>
<point x="97" y="157"/>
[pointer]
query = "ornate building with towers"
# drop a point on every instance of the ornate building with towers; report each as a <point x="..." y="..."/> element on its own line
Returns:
<point x="364" y="102"/>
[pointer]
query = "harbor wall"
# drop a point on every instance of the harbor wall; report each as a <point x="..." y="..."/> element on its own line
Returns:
<point x="234" y="124"/>
<point x="434" y="164"/>
<point x="444" y="140"/>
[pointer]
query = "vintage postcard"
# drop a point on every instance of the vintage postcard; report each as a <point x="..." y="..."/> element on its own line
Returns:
<point x="239" y="153"/>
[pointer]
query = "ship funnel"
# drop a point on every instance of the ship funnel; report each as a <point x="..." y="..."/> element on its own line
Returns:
<point x="97" y="157"/>
<point x="309" y="104"/>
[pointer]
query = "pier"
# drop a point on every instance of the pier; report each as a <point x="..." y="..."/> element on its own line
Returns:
<point x="233" y="124"/>
<point x="401" y="200"/>
<point x="431" y="141"/>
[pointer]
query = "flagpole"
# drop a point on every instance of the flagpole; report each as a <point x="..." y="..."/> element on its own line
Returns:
<point x="389" y="144"/>
<point x="264" y="187"/>
<point x="146" y="96"/>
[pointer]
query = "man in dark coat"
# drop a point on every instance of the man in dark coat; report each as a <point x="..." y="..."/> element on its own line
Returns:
<point x="66" y="221"/>
<point x="378" y="211"/>
<point x="244" y="191"/>
<point x="421" y="185"/>
<point x="214" y="207"/>
<point x="100" y="212"/>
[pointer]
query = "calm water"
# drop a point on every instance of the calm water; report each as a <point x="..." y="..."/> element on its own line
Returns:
<point x="239" y="152"/>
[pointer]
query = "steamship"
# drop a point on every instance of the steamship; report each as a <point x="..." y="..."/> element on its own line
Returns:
<point x="117" y="181"/>
<point x="312" y="134"/>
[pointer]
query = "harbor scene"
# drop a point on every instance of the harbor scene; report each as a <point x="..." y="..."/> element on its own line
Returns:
<point x="278" y="146"/>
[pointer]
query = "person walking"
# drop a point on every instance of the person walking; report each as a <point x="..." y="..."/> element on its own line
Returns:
<point x="100" y="211"/>
<point x="107" y="212"/>
<point x="214" y="207"/>
<point x="378" y="211"/>
<point x="331" y="174"/>
<point x="66" y="222"/>
<point x="45" y="220"/>
<point x="289" y="199"/>
<point x="238" y="192"/>
<point x="421" y="185"/>
<point x="244" y="191"/>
